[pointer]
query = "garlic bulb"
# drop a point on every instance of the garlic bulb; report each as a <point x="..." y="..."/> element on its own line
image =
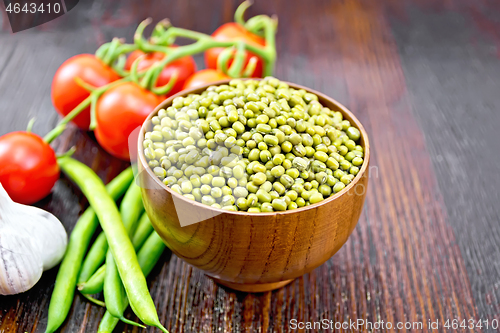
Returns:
<point x="31" y="241"/>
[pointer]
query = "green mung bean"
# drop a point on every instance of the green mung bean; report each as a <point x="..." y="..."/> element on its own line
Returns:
<point x="253" y="146"/>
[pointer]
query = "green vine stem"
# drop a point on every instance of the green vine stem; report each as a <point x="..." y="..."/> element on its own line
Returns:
<point x="164" y="35"/>
<point x="110" y="52"/>
<point x="239" y="14"/>
<point x="145" y="82"/>
<point x="67" y="153"/>
<point x="84" y="84"/>
<point x="204" y="42"/>
<point x="223" y="59"/>
<point x="102" y="50"/>
<point x="134" y="73"/>
<point x="119" y="66"/>
<point x="94" y="95"/>
<point x="236" y="67"/>
<point x="159" y="30"/>
<point x="165" y="89"/>
<point x="109" y="55"/>
<point x="252" y="64"/>
<point x="93" y="104"/>
<point x="30" y="124"/>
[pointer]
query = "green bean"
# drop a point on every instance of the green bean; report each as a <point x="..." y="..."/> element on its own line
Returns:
<point x="144" y="229"/>
<point x="94" y="259"/>
<point x="130" y="209"/>
<point x="114" y="292"/>
<point x="147" y="257"/>
<point x="95" y="283"/>
<point x="118" y="239"/>
<point x="62" y="296"/>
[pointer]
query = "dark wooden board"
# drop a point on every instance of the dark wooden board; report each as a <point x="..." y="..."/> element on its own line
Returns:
<point x="423" y="79"/>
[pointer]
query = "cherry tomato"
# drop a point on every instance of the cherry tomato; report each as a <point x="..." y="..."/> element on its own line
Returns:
<point x="28" y="167"/>
<point x="204" y="77"/>
<point x="185" y="67"/>
<point x="67" y="94"/>
<point x="229" y="32"/>
<point x="119" y="111"/>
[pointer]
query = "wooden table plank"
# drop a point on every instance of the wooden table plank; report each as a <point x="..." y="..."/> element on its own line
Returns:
<point x="402" y="263"/>
<point x="456" y="103"/>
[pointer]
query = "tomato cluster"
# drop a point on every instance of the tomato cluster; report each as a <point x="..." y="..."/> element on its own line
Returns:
<point x="123" y="108"/>
<point x="28" y="165"/>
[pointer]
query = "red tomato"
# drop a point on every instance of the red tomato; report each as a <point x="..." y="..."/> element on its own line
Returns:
<point x="204" y="77"/>
<point x="67" y="94"/>
<point x="234" y="31"/>
<point x="185" y="67"/>
<point x="119" y="111"/>
<point x="28" y="167"/>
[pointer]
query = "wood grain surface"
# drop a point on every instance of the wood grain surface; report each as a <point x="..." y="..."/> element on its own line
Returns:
<point x="423" y="78"/>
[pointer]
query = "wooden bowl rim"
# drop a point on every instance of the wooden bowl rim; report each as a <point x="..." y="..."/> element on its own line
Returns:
<point x="163" y="105"/>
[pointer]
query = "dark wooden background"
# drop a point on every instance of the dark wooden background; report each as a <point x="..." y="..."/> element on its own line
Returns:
<point x="424" y="78"/>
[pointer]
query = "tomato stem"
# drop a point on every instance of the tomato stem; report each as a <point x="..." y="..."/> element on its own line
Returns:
<point x="119" y="67"/>
<point x="102" y="50"/>
<point x="252" y="63"/>
<point x="84" y="84"/>
<point x="54" y="133"/>
<point x="159" y="30"/>
<point x="110" y="54"/>
<point x="164" y="35"/>
<point x="93" y="103"/>
<point x="238" y="62"/>
<point x="94" y="95"/>
<point x="223" y="59"/>
<point x="167" y="87"/>
<point x="68" y="153"/>
<point x="49" y="137"/>
<point x="30" y="124"/>
<point x="145" y="83"/>
<point x="240" y="12"/>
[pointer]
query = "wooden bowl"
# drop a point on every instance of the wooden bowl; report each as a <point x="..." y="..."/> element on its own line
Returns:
<point x="254" y="252"/>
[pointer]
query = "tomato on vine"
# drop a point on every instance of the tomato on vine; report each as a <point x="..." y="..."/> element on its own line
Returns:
<point x="119" y="111"/>
<point x="67" y="93"/>
<point x="204" y="77"/>
<point x="28" y="167"/>
<point x="185" y="67"/>
<point x="230" y="32"/>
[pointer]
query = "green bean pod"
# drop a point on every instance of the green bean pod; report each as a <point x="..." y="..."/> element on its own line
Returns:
<point x="144" y="229"/>
<point x="130" y="209"/>
<point x="114" y="293"/>
<point x="119" y="242"/>
<point x="62" y="296"/>
<point x="94" y="259"/>
<point x="148" y="256"/>
<point x="95" y="283"/>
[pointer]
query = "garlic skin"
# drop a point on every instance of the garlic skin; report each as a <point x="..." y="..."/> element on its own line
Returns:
<point x="45" y="229"/>
<point x="20" y="264"/>
<point x="31" y="241"/>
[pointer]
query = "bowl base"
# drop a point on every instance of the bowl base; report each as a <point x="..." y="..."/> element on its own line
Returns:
<point x="253" y="288"/>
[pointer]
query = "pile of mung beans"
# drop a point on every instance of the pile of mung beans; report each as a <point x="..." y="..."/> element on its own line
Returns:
<point x="253" y="145"/>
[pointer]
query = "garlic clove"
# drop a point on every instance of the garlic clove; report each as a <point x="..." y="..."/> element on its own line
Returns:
<point x="49" y="233"/>
<point x="20" y="263"/>
<point x="31" y="241"/>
